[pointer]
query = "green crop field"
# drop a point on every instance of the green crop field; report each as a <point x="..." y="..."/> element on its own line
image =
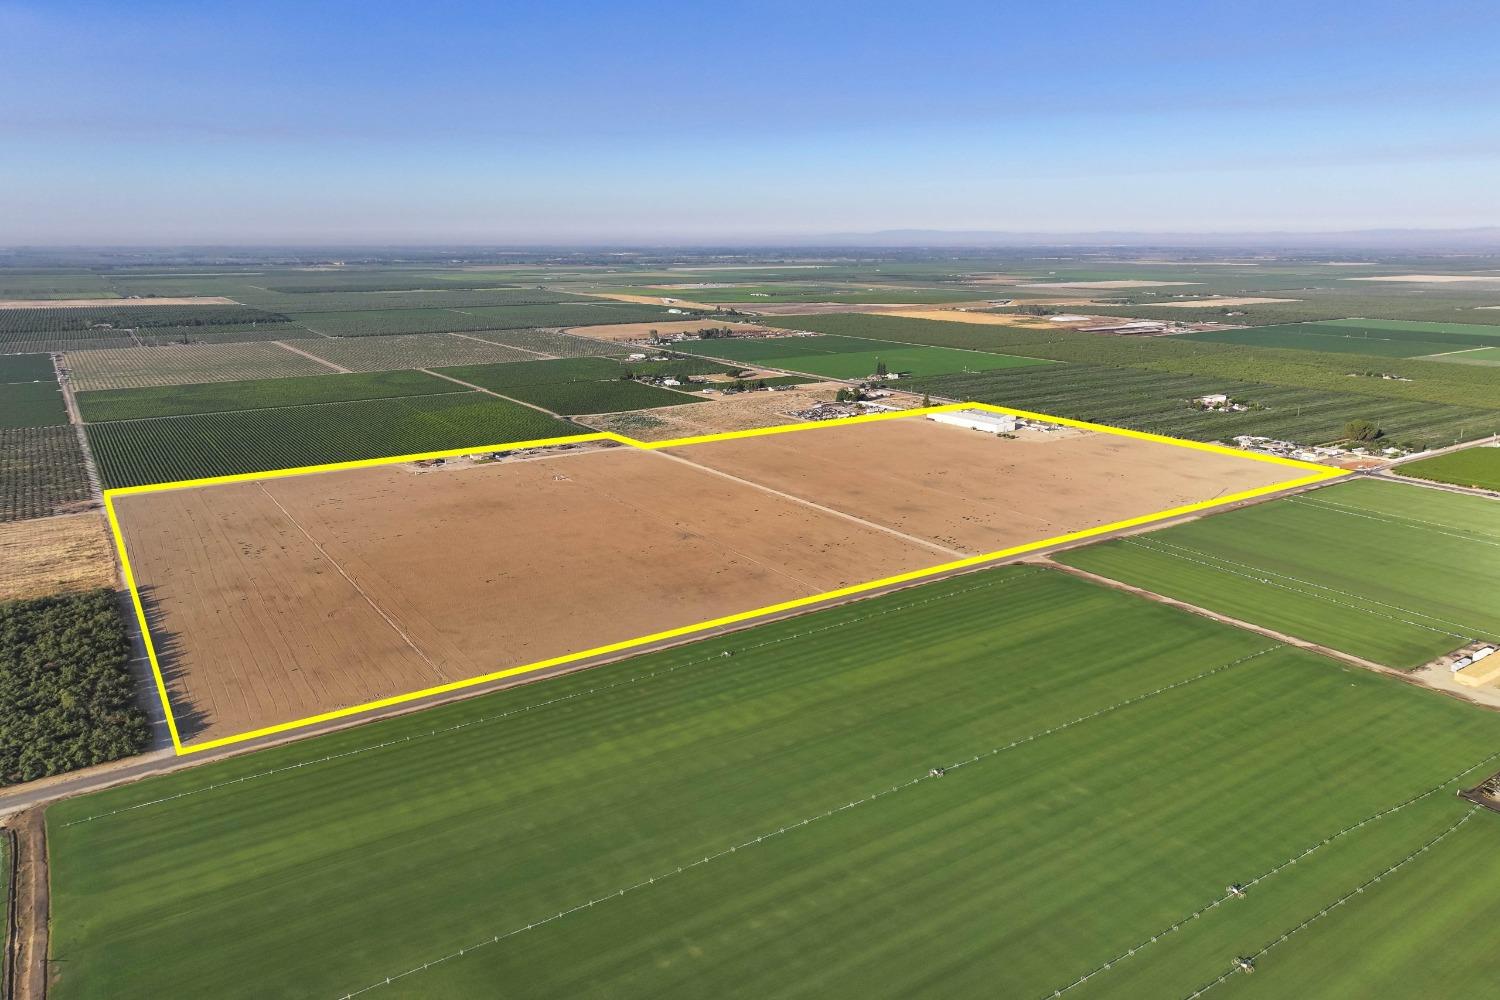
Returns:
<point x="42" y="472"/>
<point x="1159" y="402"/>
<point x="915" y="360"/>
<point x="26" y="368"/>
<point x="419" y="350"/>
<point x="1395" y="573"/>
<point x="1391" y="338"/>
<point x="1418" y="379"/>
<point x="87" y="319"/>
<point x="614" y="396"/>
<point x="1475" y="356"/>
<point x="561" y="345"/>
<point x="686" y="824"/>
<point x="1478" y="467"/>
<point x="848" y="357"/>
<point x="570" y="385"/>
<point x="458" y="298"/>
<point x="502" y="377"/>
<point x="757" y="350"/>
<point x="161" y="336"/>
<point x="134" y="367"/>
<point x="851" y="294"/>
<point x="377" y="322"/>
<point x="255" y="394"/>
<point x="167" y="449"/>
<point x="32" y="404"/>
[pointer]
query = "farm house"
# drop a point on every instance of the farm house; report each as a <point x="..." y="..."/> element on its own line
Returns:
<point x="977" y="420"/>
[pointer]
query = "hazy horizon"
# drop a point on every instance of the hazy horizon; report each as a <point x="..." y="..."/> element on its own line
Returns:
<point x="337" y="124"/>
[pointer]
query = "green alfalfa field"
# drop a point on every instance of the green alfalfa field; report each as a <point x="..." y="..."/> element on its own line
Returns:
<point x="1393" y="572"/>
<point x="768" y="823"/>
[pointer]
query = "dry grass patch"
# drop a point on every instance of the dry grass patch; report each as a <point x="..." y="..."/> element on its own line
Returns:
<point x="53" y="555"/>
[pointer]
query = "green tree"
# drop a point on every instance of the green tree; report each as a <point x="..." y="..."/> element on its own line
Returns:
<point x="881" y="371"/>
<point x="1362" y="430"/>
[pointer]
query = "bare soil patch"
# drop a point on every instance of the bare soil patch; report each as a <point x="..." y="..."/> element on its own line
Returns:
<point x="184" y="300"/>
<point x="981" y="318"/>
<point x="53" y="555"/>
<point x="977" y="492"/>
<point x="1222" y="300"/>
<point x="739" y="412"/>
<point x="649" y="300"/>
<point x="276" y="600"/>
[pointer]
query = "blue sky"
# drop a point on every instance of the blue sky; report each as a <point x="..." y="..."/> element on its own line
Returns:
<point x="157" y="122"/>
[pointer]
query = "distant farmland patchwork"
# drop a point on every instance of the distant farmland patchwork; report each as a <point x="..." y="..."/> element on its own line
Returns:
<point x="1394" y="338"/>
<point x="850" y="358"/>
<point x="915" y="794"/>
<point x="768" y="823"/>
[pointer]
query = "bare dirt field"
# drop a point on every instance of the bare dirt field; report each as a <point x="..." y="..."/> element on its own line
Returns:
<point x="1222" y="300"/>
<point x="53" y="555"/>
<point x="739" y="412"/>
<point x="647" y="300"/>
<point x="982" y="318"/>
<point x="624" y="332"/>
<point x="185" y="300"/>
<point x="975" y="492"/>
<point x="275" y="600"/>
<point x="279" y="599"/>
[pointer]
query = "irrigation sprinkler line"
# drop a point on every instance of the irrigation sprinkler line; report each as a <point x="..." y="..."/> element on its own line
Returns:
<point x="1268" y="873"/>
<point x="790" y="827"/>
<point x="1297" y="579"/>
<point x="1341" y="900"/>
<point x="577" y="695"/>
<point x="1486" y="538"/>
<point x="1293" y="590"/>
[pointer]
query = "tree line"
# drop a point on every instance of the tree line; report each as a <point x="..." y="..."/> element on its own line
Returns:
<point x="67" y="698"/>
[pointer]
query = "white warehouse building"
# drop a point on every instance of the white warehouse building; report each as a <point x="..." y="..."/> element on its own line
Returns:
<point x="977" y="420"/>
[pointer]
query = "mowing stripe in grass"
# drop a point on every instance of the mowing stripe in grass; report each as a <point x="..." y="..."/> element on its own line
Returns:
<point x="1342" y="900"/>
<point x="1294" y="859"/>
<point x="482" y="720"/>
<point x="1406" y="522"/>
<point x="1293" y="590"/>
<point x="807" y="820"/>
<point x="1153" y="543"/>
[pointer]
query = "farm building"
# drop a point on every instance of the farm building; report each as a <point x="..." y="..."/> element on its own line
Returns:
<point x="1138" y="327"/>
<point x="1477" y="667"/>
<point x="977" y="420"/>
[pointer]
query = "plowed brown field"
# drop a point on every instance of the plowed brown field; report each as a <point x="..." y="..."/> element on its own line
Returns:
<point x="284" y="598"/>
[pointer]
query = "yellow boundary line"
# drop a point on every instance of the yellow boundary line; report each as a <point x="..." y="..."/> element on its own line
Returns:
<point x="1320" y="473"/>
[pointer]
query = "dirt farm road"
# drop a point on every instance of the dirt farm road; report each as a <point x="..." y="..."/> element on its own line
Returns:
<point x="163" y="761"/>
